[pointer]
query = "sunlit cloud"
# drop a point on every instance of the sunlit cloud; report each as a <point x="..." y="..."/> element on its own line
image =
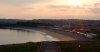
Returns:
<point x="22" y="2"/>
<point x="49" y="9"/>
<point x="96" y="8"/>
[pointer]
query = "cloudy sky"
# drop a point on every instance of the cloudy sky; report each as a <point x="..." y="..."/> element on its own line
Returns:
<point x="50" y="9"/>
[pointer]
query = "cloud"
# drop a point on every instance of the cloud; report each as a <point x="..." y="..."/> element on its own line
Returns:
<point x="58" y="6"/>
<point x="97" y="4"/>
<point x="96" y="8"/>
<point x="44" y="8"/>
<point x="21" y="2"/>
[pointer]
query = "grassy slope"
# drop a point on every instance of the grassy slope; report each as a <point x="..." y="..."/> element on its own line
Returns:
<point x="85" y="46"/>
<point x="25" y="47"/>
<point x="67" y="46"/>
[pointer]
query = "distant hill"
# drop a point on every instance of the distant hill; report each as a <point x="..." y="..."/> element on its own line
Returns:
<point x="11" y="21"/>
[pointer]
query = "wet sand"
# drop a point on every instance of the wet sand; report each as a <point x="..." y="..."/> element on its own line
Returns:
<point x="58" y="36"/>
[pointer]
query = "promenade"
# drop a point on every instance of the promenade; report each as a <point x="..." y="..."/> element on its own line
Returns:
<point x="49" y="47"/>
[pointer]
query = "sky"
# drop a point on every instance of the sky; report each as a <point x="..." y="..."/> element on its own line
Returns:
<point x="50" y="9"/>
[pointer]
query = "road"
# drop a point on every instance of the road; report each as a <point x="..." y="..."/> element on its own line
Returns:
<point x="49" y="47"/>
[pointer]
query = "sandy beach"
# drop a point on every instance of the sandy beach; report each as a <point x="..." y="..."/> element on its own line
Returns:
<point x="57" y="35"/>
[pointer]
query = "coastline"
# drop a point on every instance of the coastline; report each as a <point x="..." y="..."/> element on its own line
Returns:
<point x="66" y="43"/>
<point x="58" y="36"/>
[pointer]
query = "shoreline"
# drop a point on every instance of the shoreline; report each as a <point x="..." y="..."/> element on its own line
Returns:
<point x="58" y="36"/>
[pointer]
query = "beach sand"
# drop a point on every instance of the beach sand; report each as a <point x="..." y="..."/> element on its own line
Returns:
<point x="58" y="36"/>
